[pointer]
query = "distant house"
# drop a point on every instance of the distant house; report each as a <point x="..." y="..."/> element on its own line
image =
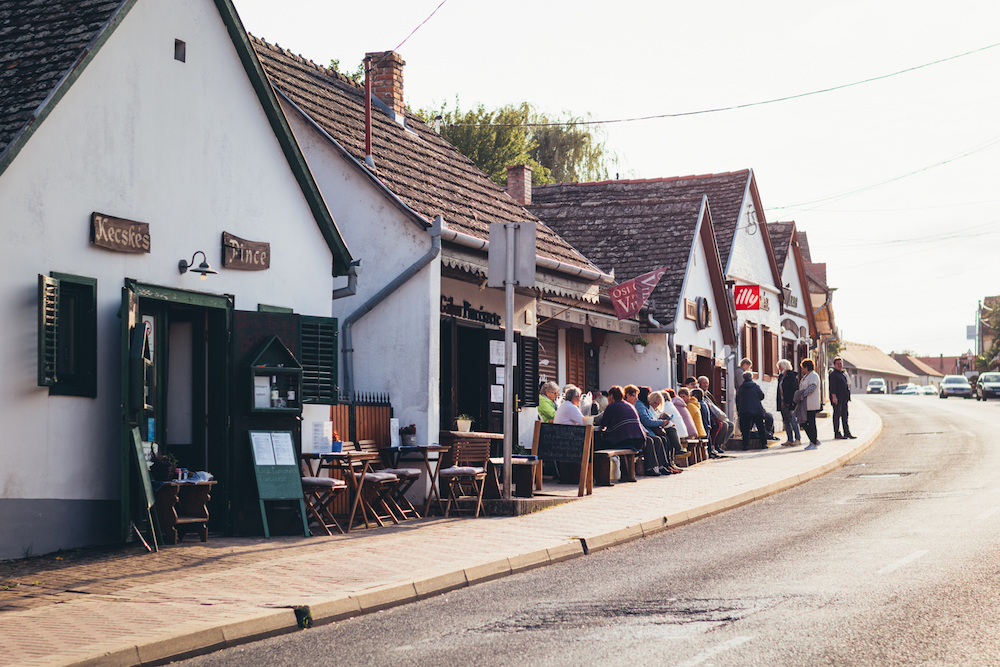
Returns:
<point x="821" y="295"/>
<point x="963" y="364"/>
<point x="864" y="362"/>
<point x="625" y="227"/>
<point x="924" y="373"/>
<point x="745" y="254"/>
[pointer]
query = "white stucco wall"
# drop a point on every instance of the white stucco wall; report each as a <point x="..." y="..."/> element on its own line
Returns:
<point x="397" y="344"/>
<point x="698" y="283"/>
<point x="184" y="147"/>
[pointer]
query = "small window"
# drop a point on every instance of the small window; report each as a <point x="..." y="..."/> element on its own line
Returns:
<point x="67" y="335"/>
<point x="180" y="50"/>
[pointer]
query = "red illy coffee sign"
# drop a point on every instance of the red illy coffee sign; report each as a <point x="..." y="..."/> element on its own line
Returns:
<point x="629" y="296"/>
<point x="747" y="297"/>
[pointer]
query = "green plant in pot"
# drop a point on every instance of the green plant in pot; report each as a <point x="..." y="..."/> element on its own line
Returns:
<point x="164" y="467"/>
<point x="638" y="344"/>
<point x="464" y="422"/>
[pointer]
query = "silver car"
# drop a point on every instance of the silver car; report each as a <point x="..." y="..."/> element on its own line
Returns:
<point x="955" y="385"/>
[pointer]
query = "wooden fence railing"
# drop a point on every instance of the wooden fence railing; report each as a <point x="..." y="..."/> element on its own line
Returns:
<point x="365" y="417"/>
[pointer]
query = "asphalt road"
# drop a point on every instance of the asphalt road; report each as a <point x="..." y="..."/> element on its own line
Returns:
<point x="891" y="560"/>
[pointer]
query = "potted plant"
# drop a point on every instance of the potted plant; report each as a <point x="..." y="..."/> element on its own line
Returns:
<point x="638" y="344"/>
<point x="163" y="468"/>
<point x="408" y="435"/>
<point x="464" y="422"/>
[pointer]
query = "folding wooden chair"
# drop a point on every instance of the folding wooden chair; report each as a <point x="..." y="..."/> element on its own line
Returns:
<point x="406" y="476"/>
<point x="319" y="494"/>
<point x="466" y="476"/>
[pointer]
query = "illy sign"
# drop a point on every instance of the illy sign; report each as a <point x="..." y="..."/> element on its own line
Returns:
<point x="747" y="297"/>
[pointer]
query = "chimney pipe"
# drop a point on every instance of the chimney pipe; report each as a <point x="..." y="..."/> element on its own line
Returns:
<point x="519" y="183"/>
<point x="369" y="160"/>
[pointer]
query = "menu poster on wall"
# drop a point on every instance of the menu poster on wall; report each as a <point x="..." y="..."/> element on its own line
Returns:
<point x="496" y="352"/>
<point x="261" y="391"/>
<point x="263" y="450"/>
<point x="284" y="450"/>
<point x="322" y="437"/>
<point x="496" y="393"/>
<point x="500" y="374"/>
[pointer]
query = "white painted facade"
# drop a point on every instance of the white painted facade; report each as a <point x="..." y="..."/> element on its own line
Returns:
<point x="750" y="264"/>
<point x="183" y="146"/>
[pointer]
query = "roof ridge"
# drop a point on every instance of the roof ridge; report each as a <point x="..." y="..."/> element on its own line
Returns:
<point x="305" y="61"/>
<point x="660" y="179"/>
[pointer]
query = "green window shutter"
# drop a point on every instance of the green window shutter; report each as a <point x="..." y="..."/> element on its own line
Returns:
<point x="318" y="355"/>
<point x="48" y="319"/>
<point x="529" y="370"/>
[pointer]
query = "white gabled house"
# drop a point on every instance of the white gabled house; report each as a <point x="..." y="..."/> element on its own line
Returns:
<point x="134" y="136"/>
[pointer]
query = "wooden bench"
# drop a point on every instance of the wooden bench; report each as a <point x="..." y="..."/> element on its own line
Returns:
<point x="522" y="473"/>
<point x="602" y="465"/>
<point x="180" y="505"/>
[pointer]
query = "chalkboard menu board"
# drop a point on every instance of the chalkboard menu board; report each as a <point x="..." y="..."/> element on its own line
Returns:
<point x="568" y="444"/>
<point x="276" y="467"/>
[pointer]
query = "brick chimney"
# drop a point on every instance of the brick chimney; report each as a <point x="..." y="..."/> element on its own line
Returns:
<point x="519" y="183"/>
<point x="387" y="79"/>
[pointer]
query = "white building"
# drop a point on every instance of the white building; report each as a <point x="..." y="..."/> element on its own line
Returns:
<point x="137" y="135"/>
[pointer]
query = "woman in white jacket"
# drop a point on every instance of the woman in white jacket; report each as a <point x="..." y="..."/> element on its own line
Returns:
<point x="810" y="394"/>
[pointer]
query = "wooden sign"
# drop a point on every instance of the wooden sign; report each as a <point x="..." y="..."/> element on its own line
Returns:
<point x="569" y="444"/>
<point x="119" y="234"/>
<point x="245" y="255"/>
<point x="276" y="467"/>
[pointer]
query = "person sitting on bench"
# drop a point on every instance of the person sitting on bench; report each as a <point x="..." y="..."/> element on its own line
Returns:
<point x="621" y="427"/>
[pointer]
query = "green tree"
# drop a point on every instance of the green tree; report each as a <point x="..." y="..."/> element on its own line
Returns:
<point x="357" y="76"/>
<point x="518" y="134"/>
<point x="991" y="322"/>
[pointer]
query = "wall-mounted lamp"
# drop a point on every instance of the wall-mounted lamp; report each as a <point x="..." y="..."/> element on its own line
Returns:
<point x="204" y="269"/>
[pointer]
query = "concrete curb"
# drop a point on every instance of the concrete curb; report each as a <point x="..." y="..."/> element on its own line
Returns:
<point x="283" y="621"/>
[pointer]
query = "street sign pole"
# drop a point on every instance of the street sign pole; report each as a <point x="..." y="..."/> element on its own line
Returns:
<point x="508" y="360"/>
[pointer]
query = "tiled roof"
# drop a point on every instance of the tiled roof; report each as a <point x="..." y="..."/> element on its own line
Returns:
<point x="915" y="366"/>
<point x="804" y="246"/>
<point x="40" y="41"/>
<point x="781" y="238"/>
<point x="426" y="172"/>
<point x="817" y="271"/>
<point x="725" y="192"/>
<point x="870" y="358"/>
<point x="628" y="234"/>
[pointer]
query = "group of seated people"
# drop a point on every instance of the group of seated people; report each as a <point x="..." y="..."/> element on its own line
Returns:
<point x="653" y="422"/>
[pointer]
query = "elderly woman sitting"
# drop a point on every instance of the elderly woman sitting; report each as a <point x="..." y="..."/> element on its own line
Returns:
<point x="547" y="402"/>
<point x="569" y="410"/>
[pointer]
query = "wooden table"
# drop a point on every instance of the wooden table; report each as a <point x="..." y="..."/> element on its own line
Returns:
<point x="395" y="453"/>
<point x="522" y="476"/>
<point x="346" y="463"/>
<point x="183" y="504"/>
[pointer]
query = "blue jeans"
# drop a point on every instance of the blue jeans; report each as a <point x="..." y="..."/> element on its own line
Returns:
<point x="791" y="424"/>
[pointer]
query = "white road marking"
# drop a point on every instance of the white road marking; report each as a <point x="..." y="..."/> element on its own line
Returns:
<point x="715" y="650"/>
<point x="987" y="513"/>
<point x="903" y="561"/>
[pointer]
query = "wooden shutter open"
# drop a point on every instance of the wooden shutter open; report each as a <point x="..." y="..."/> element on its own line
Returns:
<point x="318" y="356"/>
<point x="48" y="320"/>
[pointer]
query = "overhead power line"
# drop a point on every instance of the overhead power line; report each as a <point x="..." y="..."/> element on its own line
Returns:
<point x="729" y="108"/>
<point x="372" y="66"/>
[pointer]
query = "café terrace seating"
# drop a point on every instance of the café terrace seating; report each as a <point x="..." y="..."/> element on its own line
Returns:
<point x="466" y="476"/>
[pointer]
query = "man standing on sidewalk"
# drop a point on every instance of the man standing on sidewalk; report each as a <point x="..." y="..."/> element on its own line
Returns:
<point x="840" y="396"/>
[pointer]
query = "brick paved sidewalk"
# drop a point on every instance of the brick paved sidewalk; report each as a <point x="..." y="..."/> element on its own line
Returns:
<point x="131" y="608"/>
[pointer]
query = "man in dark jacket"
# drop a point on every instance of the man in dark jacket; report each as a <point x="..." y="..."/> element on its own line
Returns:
<point x="749" y="405"/>
<point x="840" y="396"/>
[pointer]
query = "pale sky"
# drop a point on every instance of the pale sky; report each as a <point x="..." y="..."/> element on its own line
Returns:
<point x="910" y="258"/>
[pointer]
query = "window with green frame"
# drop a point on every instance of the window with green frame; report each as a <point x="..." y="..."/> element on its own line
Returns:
<point x="67" y="334"/>
<point x="318" y="356"/>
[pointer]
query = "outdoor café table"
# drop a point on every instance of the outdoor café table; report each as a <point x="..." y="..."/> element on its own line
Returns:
<point x="346" y="462"/>
<point x="395" y="453"/>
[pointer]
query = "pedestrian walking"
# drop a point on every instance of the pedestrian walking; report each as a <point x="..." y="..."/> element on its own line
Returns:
<point x="808" y="400"/>
<point x="840" y="396"/>
<point x="788" y="384"/>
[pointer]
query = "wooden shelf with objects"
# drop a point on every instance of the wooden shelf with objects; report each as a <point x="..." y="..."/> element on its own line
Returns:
<point x="275" y="380"/>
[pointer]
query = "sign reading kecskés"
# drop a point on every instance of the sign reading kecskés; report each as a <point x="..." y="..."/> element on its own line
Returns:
<point x="245" y="255"/>
<point x="119" y="234"/>
<point x="747" y="297"/>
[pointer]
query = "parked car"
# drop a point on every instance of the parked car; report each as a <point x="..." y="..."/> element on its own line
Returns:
<point x="875" y="386"/>
<point x="987" y="386"/>
<point x="912" y="390"/>
<point x="929" y="390"/>
<point x="900" y="388"/>
<point x="955" y="385"/>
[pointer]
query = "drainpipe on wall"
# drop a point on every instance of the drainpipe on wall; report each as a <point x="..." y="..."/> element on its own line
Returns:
<point x="352" y="281"/>
<point x="384" y="293"/>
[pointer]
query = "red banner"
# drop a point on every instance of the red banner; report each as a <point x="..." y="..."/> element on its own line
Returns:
<point x="747" y="297"/>
<point x="629" y="296"/>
